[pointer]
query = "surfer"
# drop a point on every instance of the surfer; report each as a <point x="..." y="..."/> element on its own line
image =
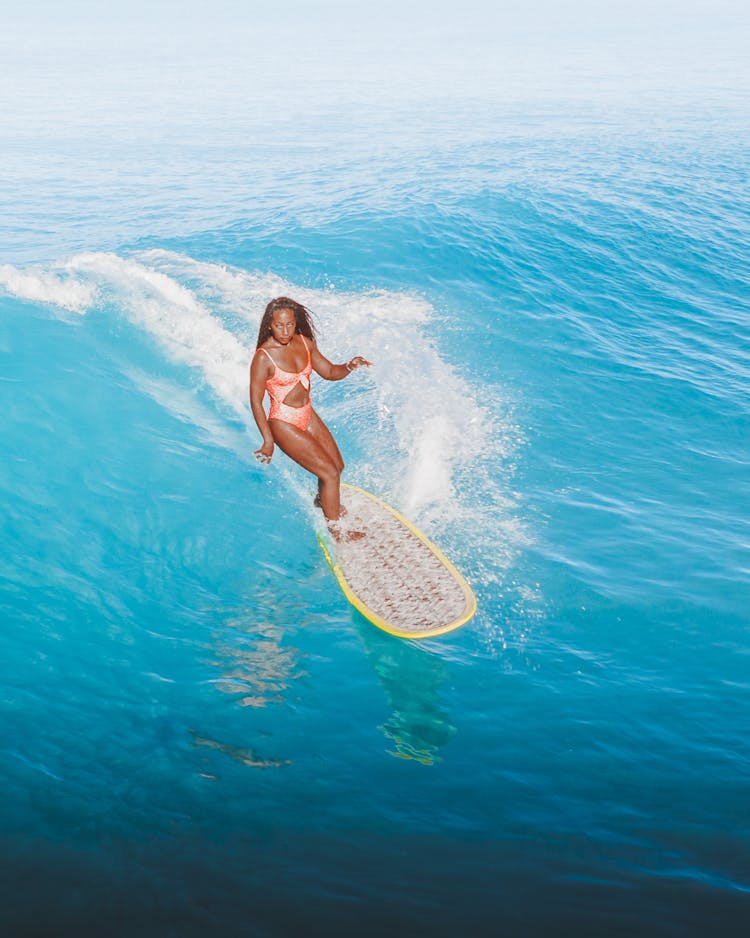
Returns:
<point x="285" y="357"/>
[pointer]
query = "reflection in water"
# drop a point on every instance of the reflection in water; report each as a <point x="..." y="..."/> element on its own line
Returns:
<point x="256" y="669"/>
<point x="411" y="678"/>
<point x="255" y="666"/>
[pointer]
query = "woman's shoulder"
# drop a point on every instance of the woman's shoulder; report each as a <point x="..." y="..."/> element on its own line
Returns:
<point x="262" y="357"/>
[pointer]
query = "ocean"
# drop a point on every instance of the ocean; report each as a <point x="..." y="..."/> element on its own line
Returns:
<point x="537" y="227"/>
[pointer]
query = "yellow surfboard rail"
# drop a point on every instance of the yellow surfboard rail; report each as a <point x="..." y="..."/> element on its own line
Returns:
<point x="379" y="621"/>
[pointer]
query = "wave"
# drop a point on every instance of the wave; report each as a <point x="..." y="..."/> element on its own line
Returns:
<point x="47" y="286"/>
<point x="413" y="429"/>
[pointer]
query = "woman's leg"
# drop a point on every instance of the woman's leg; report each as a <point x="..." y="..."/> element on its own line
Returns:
<point x="308" y="452"/>
<point x="322" y="435"/>
<point x="320" y="432"/>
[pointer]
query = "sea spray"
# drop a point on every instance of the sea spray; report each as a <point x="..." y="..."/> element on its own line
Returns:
<point x="412" y="428"/>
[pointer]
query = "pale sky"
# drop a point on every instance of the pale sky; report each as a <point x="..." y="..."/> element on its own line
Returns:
<point x="427" y="18"/>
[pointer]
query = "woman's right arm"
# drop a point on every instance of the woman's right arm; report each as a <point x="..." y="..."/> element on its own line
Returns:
<point x="259" y="372"/>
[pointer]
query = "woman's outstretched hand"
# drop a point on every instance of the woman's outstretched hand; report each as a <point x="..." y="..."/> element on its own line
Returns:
<point x="264" y="454"/>
<point x="357" y="362"/>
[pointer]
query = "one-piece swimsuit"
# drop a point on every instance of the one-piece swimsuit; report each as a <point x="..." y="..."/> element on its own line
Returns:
<point x="280" y="384"/>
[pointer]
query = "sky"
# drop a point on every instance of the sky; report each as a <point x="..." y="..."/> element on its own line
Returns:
<point x="425" y="20"/>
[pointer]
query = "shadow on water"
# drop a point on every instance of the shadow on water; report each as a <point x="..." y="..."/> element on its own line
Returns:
<point x="241" y="754"/>
<point x="411" y="677"/>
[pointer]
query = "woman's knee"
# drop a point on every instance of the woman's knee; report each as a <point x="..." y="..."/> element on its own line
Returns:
<point x="330" y="473"/>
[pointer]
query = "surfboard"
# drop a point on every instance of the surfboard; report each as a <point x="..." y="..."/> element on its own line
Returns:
<point x="394" y="576"/>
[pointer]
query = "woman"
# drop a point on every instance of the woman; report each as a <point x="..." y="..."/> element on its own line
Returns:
<point x="285" y="357"/>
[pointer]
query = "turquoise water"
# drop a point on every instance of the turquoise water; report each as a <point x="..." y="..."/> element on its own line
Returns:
<point x="549" y="268"/>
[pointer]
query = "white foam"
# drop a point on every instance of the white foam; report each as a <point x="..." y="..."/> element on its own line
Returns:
<point x="429" y="478"/>
<point x="160" y="305"/>
<point x="428" y="422"/>
<point x="417" y="432"/>
<point x="47" y="286"/>
<point x="247" y="293"/>
<point x="170" y="312"/>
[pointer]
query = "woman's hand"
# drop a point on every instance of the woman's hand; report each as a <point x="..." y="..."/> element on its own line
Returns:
<point x="357" y="362"/>
<point x="264" y="454"/>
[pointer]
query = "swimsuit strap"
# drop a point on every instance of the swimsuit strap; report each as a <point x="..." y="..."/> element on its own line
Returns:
<point x="269" y="357"/>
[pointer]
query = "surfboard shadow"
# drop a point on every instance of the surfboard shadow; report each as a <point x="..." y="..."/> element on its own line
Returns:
<point x="418" y="725"/>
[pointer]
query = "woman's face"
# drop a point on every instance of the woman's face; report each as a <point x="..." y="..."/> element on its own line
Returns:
<point x="283" y="326"/>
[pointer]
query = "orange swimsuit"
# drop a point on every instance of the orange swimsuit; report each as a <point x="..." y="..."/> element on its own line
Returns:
<point x="280" y="384"/>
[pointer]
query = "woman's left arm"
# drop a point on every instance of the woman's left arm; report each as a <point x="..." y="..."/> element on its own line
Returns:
<point x="332" y="372"/>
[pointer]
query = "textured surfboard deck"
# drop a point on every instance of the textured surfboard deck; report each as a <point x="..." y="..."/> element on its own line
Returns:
<point x="395" y="576"/>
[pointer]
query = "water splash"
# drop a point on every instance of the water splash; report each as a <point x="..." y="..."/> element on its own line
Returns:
<point x="415" y="430"/>
<point x="48" y="286"/>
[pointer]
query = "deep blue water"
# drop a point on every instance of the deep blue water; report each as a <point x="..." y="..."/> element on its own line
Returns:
<point x="201" y="737"/>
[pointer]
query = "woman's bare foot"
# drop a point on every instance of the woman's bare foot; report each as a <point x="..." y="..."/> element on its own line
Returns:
<point x="339" y="528"/>
<point x="341" y="532"/>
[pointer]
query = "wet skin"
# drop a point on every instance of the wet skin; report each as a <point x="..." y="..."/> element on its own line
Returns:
<point x="315" y="448"/>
